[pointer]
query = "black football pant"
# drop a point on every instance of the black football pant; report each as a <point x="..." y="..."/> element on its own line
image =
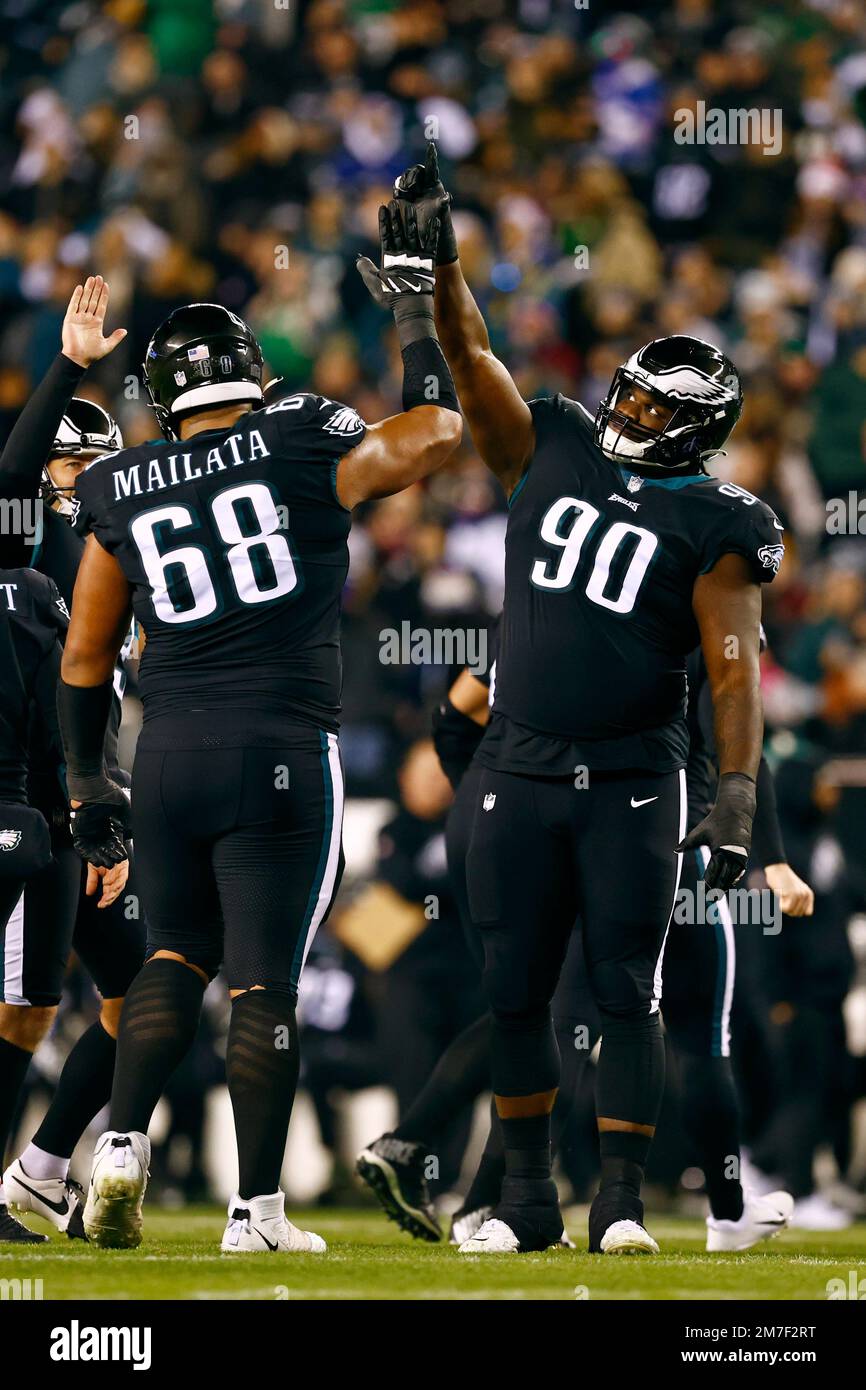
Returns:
<point x="462" y="1072"/>
<point x="238" y="842"/>
<point x="543" y="852"/>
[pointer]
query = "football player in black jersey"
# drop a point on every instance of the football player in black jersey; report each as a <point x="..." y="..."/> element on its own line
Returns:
<point x="54" y="438"/>
<point x="228" y="539"/>
<point x="622" y="554"/>
<point x="33" y="621"/>
<point x="699" y="971"/>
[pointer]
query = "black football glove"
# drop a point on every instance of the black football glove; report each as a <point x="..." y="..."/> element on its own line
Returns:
<point x="727" y="830"/>
<point x="421" y="186"/>
<point x="406" y="280"/>
<point x="99" y="828"/>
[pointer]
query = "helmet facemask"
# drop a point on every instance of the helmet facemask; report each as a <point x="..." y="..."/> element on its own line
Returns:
<point x="696" y="391"/>
<point x="626" y="440"/>
<point x="62" y="498"/>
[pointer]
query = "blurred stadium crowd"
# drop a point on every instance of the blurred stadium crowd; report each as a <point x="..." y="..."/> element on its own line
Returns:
<point x="238" y="150"/>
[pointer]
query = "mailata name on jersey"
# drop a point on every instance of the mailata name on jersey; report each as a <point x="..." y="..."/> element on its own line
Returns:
<point x="160" y="473"/>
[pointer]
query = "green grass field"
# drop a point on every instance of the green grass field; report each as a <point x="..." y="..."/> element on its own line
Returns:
<point x="368" y="1259"/>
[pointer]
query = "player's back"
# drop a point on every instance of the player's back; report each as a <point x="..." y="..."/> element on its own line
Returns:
<point x="235" y="545"/>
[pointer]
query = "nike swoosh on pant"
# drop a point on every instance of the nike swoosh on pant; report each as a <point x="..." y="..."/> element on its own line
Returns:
<point x="645" y="802"/>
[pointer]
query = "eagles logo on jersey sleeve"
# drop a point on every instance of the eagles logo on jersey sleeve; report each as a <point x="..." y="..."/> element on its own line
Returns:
<point x="326" y="428"/>
<point x="742" y="523"/>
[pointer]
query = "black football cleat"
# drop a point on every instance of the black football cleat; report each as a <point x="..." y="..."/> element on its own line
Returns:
<point x="12" y="1232"/>
<point x="393" y="1169"/>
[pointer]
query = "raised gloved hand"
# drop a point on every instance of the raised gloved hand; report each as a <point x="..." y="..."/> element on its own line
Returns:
<point x="727" y="831"/>
<point x="406" y="275"/>
<point x="421" y="186"/>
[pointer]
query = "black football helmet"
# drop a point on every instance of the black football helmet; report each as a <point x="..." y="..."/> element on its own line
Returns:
<point x="694" y="379"/>
<point x="201" y="355"/>
<point x="85" y="429"/>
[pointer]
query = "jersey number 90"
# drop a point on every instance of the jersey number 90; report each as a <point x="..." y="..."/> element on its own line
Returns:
<point x="566" y="526"/>
<point x="259" y="564"/>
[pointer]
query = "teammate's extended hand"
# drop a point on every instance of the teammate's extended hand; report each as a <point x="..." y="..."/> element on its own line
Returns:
<point x="113" y="882"/>
<point x="796" y="898"/>
<point x="726" y="831"/>
<point x="408" y="259"/>
<point x="82" y="337"/>
<point x="422" y="186"/>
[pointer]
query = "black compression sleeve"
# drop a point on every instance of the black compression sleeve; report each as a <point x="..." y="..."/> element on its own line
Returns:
<point x="427" y="378"/>
<point x="767" y="843"/>
<point x="83" y="714"/>
<point x="35" y="430"/>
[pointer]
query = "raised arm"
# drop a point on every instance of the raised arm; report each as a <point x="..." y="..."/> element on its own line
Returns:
<point x="31" y="439"/>
<point x="727" y="605"/>
<point x="399" y="451"/>
<point x="499" y="419"/>
<point x="498" y="416"/>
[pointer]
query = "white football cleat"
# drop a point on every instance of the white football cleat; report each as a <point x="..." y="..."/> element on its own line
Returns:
<point x="762" y="1218"/>
<point x="493" y="1238"/>
<point x="466" y="1224"/>
<point x="118" y="1179"/>
<point x="58" y="1200"/>
<point x="261" y="1224"/>
<point x="627" y="1238"/>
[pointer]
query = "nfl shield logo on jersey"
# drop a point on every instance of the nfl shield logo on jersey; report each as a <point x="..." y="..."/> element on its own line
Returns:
<point x="634" y="483"/>
<point x="10" y="839"/>
<point x="489" y="801"/>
